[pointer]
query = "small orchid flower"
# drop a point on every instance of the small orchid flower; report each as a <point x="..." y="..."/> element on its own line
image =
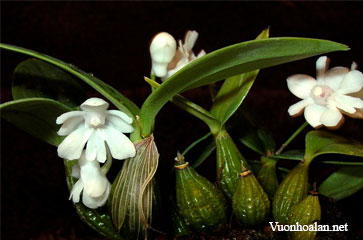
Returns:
<point x="92" y="181"/>
<point x="327" y="96"/>
<point x="96" y="126"/>
<point x="162" y="51"/>
<point x="184" y="54"/>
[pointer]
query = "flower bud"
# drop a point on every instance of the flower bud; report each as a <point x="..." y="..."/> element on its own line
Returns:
<point x="162" y="50"/>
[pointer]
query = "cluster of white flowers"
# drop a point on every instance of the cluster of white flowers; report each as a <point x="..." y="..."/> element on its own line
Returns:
<point x="166" y="59"/>
<point x="97" y="127"/>
<point x="327" y="96"/>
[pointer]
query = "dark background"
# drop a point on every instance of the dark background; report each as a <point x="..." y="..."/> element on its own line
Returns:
<point x="110" y="39"/>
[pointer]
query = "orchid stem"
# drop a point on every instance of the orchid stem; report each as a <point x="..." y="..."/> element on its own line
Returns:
<point x="292" y="137"/>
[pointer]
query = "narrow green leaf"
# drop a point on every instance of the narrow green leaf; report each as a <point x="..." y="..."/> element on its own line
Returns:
<point x="267" y="140"/>
<point x="290" y="155"/>
<point x="200" y="149"/>
<point x="36" y="116"/>
<point x="35" y="78"/>
<point x="233" y="91"/>
<point x="342" y="183"/>
<point x="250" y="139"/>
<point x="231" y="61"/>
<point x="120" y="101"/>
<point x="298" y="155"/>
<point x="196" y="142"/>
<point x="204" y="153"/>
<point x="322" y="142"/>
<point x="246" y="125"/>
<point x="231" y="95"/>
<point x="256" y="166"/>
<point x="343" y="163"/>
<point x="97" y="219"/>
<point x="191" y="108"/>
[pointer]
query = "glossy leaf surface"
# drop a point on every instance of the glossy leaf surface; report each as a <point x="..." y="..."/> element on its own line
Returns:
<point x="35" y="116"/>
<point x="120" y="101"/>
<point x="342" y="183"/>
<point x="231" y="61"/>
<point x="322" y="142"/>
<point x="233" y="91"/>
<point x="35" y="78"/>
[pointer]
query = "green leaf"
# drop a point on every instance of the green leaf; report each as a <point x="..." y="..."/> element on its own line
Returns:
<point x="290" y="155"/>
<point x="233" y="91"/>
<point x="196" y="143"/>
<point x="36" y="116"/>
<point x="342" y="183"/>
<point x="345" y="163"/>
<point x="120" y="101"/>
<point x="250" y="139"/>
<point x="231" y="95"/>
<point x="322" y="142"/>
<point x="267" y="140"/>
<point x="245" y="125"/>
<point x="97" y="219"/>
<point x="298" y="155"/>
<point x="35" y="78"/>
<point x="191" y="108"/>
<point x="204" y="153"/>
<point x="200" y="149"/>
<point x="231" y="61"/>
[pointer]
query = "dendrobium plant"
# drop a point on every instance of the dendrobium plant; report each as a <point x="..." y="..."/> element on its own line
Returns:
<point x="325" y="97"/>
<point x="94" y="135"/>
<point x="163" y="46"/>
<point x="92" y="182"/>
<point x="95" y="125"/>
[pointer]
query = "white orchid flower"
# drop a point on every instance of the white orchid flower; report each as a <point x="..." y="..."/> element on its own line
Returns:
<point x="96" y="126"/>
<point x="327" y="96"/>
<point x="92" y="182"/>
<point x="162" y="51"/>
<point x="184" y="55"/>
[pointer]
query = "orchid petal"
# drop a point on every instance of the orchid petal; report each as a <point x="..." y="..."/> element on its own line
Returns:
<point x="101" y="200"/>
<point x="353" y="82"/>
<point x="119" y="124"/>
<point x="331" y="117"/>
<point x="354" y="66"/>
<point x="76" y="191"/>
<point x="313" y="113"/>
<point x="94" y="181"/>
<point x="65" y="116"/>
<point x="88" y="201"/>
<point x="91" y="149"/>
<point x="72" y="146"/>
<point x="190" y="39"/>
<point x="201" y="54"/>
<point x="94" y="104"/>
<point x="101" y="149"/>
<point x="299" y="106"/>
<point x="95" y="202"/>
<point x="76" y="171"/>
<point x="348" y="103"/>
<point x="120" y="146"/>
<point x="70" y="125"/>
<point x="300" y="85"/>
<point x="322" y="65"/>
<point x="121" y="115"/>
<point x="334" y="77"/>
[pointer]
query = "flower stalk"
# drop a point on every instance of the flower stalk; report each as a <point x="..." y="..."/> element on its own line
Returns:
<point x="292" y="137"/>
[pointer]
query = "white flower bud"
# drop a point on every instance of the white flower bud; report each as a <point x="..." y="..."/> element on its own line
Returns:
<point x="162" y="50"/>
